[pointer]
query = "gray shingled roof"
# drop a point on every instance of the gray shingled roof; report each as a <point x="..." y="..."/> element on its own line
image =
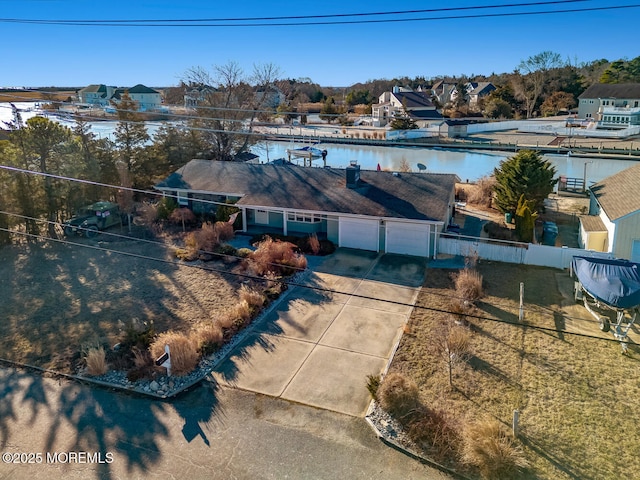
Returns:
<point x="94" y="88"/>
<point x="592" y="223"/>
<point x="618" y="194"/>
<point x="414" y="99"/>
<point x="419" y="196"/>
<point x="425" y="114"/>
<point x="141" y="89"/>
<point x="612" y="90"/>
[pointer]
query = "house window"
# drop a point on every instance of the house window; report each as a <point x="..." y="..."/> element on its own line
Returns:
<point x="262" y="217"/>
<point x="183" y="199"/>
<point x="304" y="217"/>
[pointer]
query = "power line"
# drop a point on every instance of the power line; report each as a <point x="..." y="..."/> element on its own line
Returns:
<point x="298" y="17"/>
<point x="325" y="23"/>
<point x="223" y="255"/>
<point x="128" y="237"/>
<point x="179" y="115"/>
<point x="314" y="288"/>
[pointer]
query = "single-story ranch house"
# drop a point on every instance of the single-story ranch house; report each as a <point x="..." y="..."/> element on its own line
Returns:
<point x="369" y="210"/>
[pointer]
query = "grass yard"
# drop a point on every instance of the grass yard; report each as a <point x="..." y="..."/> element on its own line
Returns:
<point x="34" y="96"/>
<point x="577" y="397"/>
<point x="57" y="299"/>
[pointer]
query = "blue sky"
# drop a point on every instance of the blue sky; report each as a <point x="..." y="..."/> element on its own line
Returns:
<point x="36" y="55"/>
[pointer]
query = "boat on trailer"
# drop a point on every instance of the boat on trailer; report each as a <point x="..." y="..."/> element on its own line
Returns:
<point x="607" y="286"/>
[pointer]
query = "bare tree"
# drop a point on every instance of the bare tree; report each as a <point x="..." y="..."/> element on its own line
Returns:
<point x="228" y="105"/>
<point x="531" y="76"/>
<point x="452" y="344"/>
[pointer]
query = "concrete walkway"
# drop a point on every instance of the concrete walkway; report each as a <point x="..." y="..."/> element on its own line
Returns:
<point x="323" y="339"/>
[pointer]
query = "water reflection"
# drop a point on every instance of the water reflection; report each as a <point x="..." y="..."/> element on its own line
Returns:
<point x="468" y="165"/>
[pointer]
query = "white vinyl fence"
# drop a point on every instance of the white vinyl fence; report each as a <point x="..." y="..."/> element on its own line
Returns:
<point x="512" y="252"/>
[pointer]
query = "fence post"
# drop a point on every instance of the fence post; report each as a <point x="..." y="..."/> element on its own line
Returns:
<point x="521" y="313"/>
<point x="516" y="420"/>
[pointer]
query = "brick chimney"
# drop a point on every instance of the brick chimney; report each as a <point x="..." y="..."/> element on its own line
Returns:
<point x="353" y="175"/>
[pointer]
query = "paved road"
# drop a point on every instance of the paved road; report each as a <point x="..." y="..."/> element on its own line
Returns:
<point x="211" y="432"/>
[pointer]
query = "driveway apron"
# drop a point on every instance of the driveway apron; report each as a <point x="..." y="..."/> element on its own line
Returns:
<point x="324" y="337"/>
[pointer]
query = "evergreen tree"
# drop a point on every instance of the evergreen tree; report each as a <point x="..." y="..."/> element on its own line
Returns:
<point x="403" y="123"/>
<point x="525" y="219"/>
<point x="131" y="134"/>
<point x="328" y="112"/>
<point x="524" y="173"/>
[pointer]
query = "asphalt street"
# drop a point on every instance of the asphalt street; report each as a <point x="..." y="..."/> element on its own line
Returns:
<point x="210" y="432"/>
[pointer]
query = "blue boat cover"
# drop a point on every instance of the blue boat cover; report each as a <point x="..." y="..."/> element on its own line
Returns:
<point x="614" y="282"/>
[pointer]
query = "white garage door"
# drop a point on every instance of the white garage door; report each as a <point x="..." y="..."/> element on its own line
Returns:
<point x="359" y="233"/>
<point x="407" y="238"/>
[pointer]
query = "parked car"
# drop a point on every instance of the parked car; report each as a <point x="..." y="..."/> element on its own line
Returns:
<point x="93" y="218"/>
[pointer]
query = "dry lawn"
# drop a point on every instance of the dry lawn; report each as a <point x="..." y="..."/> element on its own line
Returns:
<point x="578" y="397"/>
<point x="57" y="299"/>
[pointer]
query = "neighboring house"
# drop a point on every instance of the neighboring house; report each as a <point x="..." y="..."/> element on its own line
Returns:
<point x="96" y="94"/>
<point x="195" y="95"/>
<point x="270" y="98"/>
<point x="612" y="105"/>
<point x="417" y="105"/>
<point x="369" y="210"/>
<point x="146" y="98"/>
<point x="613" y="223"/>
<point x="477" y="90"/>
<point x="444" y="92"/>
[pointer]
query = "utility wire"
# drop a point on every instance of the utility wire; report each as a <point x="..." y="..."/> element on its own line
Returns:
<point x="179" y="115"/>
<point x="301" y="17"/>
<point x="308" y="287"/>
<point x="325" y="23"/>
<point x="136" y="239"/>
<point x="223" y="255"/>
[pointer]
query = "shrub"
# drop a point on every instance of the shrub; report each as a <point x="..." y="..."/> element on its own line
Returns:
<point x="437" y="433"/>
<point x="468" y="285"/>
<point x="398" y="395"/>
<point x="96" y="361"/>
<point x="205" y="239"/>
<point x="276" y="257"/>
<point x="181" y="216"/>
<point x="483" y="194"/>
<point x="148" y="212"/>
<point x="142" y="358"/>
<point x="208" y="337"/>
<point x="373" y="384"/>
<point x="314" y="244"/>
<point x="244" y="252"/>
<point x="498" y="232"/>
<point x="224" y="231"/>
<point x="137" y="335"/>
<point x="240" y="313"/>
<point x="183" y="350"/>
<point x="487" y="446"/>
<point x="253" y="297"/>
<point x="165" y="206"/>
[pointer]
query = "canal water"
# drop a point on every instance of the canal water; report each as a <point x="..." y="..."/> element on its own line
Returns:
<point x="468" y="165"/>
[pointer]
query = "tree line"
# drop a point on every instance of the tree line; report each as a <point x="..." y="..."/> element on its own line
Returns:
<point x="541" y="85"/>
<point x="220" y="129"/>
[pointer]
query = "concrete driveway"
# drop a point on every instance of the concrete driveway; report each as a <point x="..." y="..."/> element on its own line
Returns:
<point x="323" y="338"/>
